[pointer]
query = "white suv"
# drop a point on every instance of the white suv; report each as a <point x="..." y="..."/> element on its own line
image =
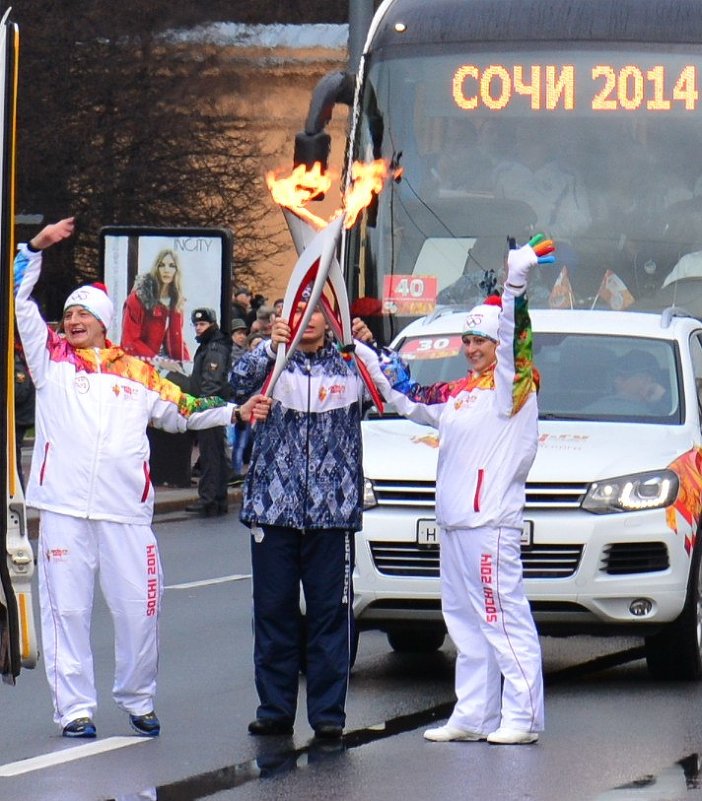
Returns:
<point x="613" y="500"/>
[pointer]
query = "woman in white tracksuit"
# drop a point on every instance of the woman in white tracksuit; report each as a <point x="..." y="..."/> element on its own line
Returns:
<point x="90" y="480"/>
<point x="487" y="425"/>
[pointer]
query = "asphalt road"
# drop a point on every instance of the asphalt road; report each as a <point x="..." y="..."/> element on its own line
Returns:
<point x="612" y="733"/>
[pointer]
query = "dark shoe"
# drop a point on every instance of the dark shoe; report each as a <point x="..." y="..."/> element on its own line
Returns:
<point x="146" y="725"/>
<point x="266" y="727"/>
<point x="204" y="509"/>
<point x="80" y="727"/>
<point x="328" y="731"/>
<point x="236" y="479"/>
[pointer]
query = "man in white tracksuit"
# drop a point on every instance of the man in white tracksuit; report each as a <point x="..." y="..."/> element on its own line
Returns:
<point x="90" y="480"/>
<point x="487" y="425"/>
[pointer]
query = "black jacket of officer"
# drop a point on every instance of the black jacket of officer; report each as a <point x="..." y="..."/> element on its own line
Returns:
<point x="210" y="374"/>
<point x="210" y="377"/>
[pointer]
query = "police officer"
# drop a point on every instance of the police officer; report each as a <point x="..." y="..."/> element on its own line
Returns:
<point x="210" y="377"/>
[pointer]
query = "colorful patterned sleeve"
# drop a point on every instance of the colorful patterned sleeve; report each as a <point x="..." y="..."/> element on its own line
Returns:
<point x="187" y="404"/>
<point x="421" y="404"/>
<point x="172" y="409"/>
<point x="431" y="394"/>
<point x="514" y="372"/>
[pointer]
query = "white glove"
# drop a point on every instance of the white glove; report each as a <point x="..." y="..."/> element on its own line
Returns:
<point x="519" y="262"/>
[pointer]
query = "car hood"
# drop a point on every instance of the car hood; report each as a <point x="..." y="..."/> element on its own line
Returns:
<point x="398" y="449"/>
<point x="581" y="451"/>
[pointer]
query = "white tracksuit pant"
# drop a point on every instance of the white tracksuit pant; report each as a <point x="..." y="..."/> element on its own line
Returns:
<point x="490" y="622"/>
<point x="71" y="552"/>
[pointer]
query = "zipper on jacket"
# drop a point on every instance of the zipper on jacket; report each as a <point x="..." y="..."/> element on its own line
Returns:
<point x="307" y="367"/>
<point x="478" y="487"/>
<point x="94" y="471"/>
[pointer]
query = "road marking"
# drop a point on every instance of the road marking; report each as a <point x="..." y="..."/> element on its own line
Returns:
<point x="205" y="582"/>
<point x="69" y="755"/>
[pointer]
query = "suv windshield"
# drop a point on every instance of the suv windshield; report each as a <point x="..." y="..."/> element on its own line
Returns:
<point x="582" y="376"/>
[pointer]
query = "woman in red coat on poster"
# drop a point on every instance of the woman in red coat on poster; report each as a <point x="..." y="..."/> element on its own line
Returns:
<point x="152" y="317"/>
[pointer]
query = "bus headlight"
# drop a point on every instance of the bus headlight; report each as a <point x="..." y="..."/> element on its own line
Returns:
<point x="635" y="493"/>
<point x="369" y="499"/>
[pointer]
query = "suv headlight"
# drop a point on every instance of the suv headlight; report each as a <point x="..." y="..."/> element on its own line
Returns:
<point x="634" y="493"/>
<point x="369" y="499"/>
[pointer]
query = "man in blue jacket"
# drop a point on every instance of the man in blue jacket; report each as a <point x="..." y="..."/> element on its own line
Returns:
<point x="303" y="500"/>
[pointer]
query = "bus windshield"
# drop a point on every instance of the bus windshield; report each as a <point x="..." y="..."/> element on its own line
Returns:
<point x="597" y="148"/>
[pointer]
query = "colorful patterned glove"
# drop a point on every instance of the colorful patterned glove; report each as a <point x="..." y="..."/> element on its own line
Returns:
<point x="395" y="370"/>
<point x="521" y="260"/>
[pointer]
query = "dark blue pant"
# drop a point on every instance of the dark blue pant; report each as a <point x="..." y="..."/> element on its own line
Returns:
<point x="322" y="561"/>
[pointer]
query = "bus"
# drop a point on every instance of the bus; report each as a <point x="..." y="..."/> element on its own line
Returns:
<point x="500" y="119"/>
<point x="507" y="117"/>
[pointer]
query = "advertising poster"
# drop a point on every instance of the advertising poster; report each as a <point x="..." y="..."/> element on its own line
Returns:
<point x="156" y="278"/>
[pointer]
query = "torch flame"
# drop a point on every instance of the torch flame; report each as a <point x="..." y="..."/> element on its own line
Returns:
<point x="366" y="180"/>
<point x="295" y="190"/>
<point x="302" y="185"/>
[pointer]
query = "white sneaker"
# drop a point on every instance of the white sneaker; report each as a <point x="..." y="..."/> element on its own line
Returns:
<point x="504" y="736"/>
<point x="447" y="734"/>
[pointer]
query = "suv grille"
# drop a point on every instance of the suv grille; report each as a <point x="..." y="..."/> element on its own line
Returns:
<point x="405" y="559"/>
<point x="422" y="494"/>
<point x="621" y="558"/>
<point x="411" y="561"/>
<point x="555" y="496"/>
<point x="405" y="493"/>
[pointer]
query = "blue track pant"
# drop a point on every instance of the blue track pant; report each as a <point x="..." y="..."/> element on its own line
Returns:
<point x="322" y="562"/>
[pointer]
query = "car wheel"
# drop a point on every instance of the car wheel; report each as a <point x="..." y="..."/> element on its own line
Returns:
<point x="676" y="652"/>
<point x="422" y="641"/>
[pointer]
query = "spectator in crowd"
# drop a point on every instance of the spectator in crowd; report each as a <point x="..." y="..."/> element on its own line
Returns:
<point x="241" y="305"/>
<point x="303" y="501"/>
<point x="239" y="340"/>
<point x="24" y="404"/>
<point x="211" y="365"/>
<point x="278" y="307"/>
<point x="264" y="320"/>
<point x="257" y="301"/>
<point x="152" y="317"/>
<point x="259" y="327"/>
<point x="90" y="482"/>
<point x="238" y="433"/>
<point x="253" y="339"/>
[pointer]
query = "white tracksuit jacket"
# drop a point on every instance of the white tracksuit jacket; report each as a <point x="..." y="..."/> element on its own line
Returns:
<point x="91" y="455"/>
<point x="488" y="430"/>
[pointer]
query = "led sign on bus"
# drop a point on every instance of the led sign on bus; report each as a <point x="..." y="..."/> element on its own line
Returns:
<point x="566" y="87"/>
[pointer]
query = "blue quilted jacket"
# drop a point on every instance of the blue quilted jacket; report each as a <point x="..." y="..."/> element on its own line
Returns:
<point x="306" y="465"/>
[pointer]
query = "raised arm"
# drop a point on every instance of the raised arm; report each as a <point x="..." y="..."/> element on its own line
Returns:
<point x="33" y="330"/>
<point x="514" y="371"/>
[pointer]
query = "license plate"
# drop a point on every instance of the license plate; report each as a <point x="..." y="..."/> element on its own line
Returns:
<point x="428" y="533"/>
<point x="528" y="534"/>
